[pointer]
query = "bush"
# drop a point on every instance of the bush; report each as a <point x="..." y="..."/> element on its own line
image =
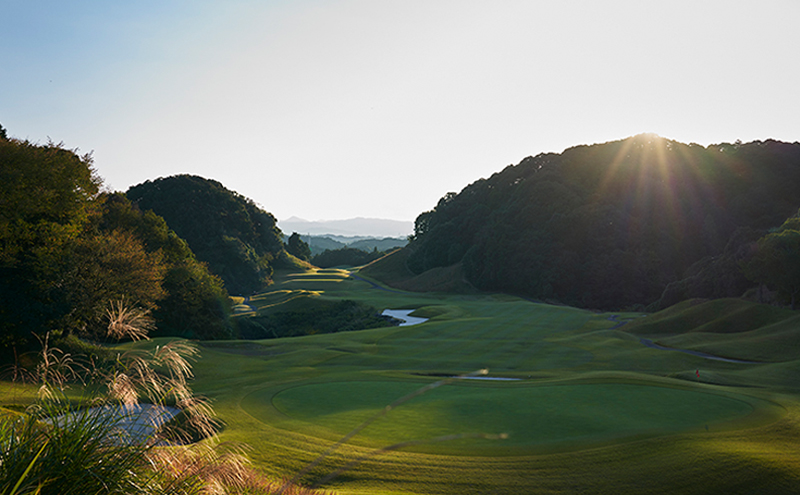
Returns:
<point x="341" y="316"/>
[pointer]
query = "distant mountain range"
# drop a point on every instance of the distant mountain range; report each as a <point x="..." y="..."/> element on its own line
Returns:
<point x="331" y="242"/>
<point x="353" y="227"/>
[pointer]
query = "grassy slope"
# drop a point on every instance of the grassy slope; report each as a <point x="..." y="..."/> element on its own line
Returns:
<point x="392" y="271"/>
<point x="726" y="327"/>
<point x="560" y="349"/>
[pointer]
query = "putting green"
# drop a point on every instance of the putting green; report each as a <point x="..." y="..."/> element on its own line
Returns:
<point x="536" y="418"/>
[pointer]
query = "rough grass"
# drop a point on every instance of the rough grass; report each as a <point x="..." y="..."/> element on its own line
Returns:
<point x="716" y="316"/>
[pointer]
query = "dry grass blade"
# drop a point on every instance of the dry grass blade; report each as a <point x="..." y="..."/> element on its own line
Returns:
<point x="174" y="358"/>
<point x="128" y="322"/>
<point x="216" y="468"/>
<point x="200" y="420"/>
<point x="122" y="388"/>
<point x="55" y="370"/>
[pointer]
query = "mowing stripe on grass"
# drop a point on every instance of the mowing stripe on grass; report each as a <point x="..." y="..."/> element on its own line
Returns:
<point x="537" y="418"/>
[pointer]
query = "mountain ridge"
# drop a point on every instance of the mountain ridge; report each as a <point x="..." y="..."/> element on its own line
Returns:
<point x="351" y="227"/>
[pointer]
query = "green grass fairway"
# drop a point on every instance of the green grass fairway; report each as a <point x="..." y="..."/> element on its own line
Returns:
<point x="595" y="411"/>
<point x="536" y="418"/>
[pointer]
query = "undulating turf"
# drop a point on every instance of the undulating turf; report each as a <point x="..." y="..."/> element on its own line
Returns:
<point x="535" y="418"/>
<point x="594" y="411"/>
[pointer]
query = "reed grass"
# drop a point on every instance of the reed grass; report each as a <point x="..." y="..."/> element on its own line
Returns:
<point x="70" y="443"/>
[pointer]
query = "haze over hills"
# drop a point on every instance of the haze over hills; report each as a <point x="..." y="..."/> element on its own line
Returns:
<point x="353" y="227"/>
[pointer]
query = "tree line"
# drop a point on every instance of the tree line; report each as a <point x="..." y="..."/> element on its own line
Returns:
<point x="173" y="247"/>
<point x="68" y="250"/>
<point x="641" y="222"/>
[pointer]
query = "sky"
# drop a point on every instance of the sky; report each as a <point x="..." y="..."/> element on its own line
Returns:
<point x="375" y="108"/>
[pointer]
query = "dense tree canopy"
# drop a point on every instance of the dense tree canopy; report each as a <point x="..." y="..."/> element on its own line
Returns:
<point x="776" y="260"/>
<point x="67" y="252"/>
<point x="320" y="317"/>
<point x="195" y="303"/>
<point x="237" y="239"/>
<point x="47" y="196"/>
<point x="611" y="225"/>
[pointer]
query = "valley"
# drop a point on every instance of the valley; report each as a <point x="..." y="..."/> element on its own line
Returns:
<point x="594" y="410"/>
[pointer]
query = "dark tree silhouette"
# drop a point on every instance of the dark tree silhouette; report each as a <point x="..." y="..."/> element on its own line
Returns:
<point x="298" y="247"/>
<point x="612" y="225"/>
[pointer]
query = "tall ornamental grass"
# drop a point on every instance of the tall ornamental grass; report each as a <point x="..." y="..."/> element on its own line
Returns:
<point x="66" y="445"/>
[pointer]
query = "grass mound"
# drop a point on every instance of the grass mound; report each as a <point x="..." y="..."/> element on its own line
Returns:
<point x="536" y="418"/>
<point x="731" y="328"/>
<point x="271" y="299"/>
<point x="715" y="316"/>
<point x="392" y="271"/>
<point x="289" y="263"/>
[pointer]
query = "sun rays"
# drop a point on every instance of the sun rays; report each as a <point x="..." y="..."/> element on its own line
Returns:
<point x="656" y="178"/>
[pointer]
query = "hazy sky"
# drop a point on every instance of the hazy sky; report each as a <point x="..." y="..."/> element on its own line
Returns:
<point x="337" y="109"/>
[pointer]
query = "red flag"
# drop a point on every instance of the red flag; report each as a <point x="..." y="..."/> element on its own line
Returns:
<point x="698" y="373"/>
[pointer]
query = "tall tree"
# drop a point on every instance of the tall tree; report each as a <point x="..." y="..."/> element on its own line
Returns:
<point x="296" y="246"/>
<point x="108" y="267"/>
<point x="47" y="195"/>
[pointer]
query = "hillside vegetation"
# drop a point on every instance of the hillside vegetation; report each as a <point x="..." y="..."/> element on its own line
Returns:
<point x="613" y="225"/>
<point x="68" y="252"/>
<point x="238" y="240"/>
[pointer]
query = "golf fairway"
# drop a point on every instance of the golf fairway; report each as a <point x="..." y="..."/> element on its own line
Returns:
<point x="535" y="418"/>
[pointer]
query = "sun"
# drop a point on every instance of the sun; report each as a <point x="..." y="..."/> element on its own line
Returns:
<point x="658" y="179"/>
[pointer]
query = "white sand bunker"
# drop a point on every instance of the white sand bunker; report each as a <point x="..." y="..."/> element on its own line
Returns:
<point x="402" y="315"/>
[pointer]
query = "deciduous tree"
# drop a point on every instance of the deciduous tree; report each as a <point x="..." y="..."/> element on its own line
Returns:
<point x="776" y="261"/>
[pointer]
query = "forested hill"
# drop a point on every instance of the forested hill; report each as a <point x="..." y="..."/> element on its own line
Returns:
<point x="613" y="225"/>
<point x="237" y="239"/>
